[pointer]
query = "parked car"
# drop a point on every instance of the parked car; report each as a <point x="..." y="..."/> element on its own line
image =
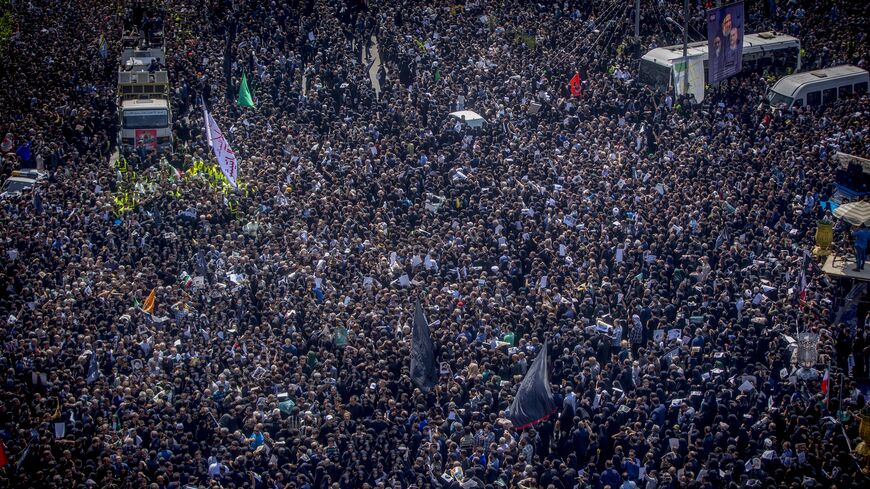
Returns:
<point x="20" y="181"/>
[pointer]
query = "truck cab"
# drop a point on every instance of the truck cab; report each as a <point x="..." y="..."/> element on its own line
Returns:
<point x="144" y="110"/>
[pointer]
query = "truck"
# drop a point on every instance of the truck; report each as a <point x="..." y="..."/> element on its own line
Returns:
<point x="143" y="95"/>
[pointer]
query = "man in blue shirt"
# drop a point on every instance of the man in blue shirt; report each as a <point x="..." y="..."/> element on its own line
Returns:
<point x="631" y="466"/>
<point x="256" y="439"/>
<point x="610" y="477"/>
<point x="862" y="236"/>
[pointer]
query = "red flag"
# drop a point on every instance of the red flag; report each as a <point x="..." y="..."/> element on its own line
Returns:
<point x="4" y="461"/>
<point x="800" y="289"/>
<point x="576" y="85"/>
<point x="825" y="381"/>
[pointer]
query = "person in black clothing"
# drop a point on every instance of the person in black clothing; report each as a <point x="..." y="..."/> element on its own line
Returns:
<point x="281" y="325"/>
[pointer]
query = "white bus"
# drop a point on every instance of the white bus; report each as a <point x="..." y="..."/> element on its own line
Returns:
<point x="819" y="87"/>
<point x="778" y="53"/>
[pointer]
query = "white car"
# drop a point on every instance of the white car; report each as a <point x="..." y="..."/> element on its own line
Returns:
<point x="20" y="181"/>
<point x="473" y="119"/>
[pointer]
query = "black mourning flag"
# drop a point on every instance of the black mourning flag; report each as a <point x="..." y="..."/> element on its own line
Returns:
<point x="534" y="400"/>
<point x="423" y="372"/>
<point x="93" y="369"/>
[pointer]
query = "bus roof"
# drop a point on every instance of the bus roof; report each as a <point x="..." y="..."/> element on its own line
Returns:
<point x="751" y="43"/>
<point x="789" y="85"/>
<point x="145" y="104"/>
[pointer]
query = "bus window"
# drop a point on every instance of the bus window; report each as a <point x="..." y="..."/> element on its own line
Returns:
<point x="814" y="99"/>
<point x="829" y="95"/>
<point x="654" y="74"/>
<point x="141" y="119"/>
<point x="798" y="102"/>
<point x="861" y="88"/>
<point x="845" y="91"/>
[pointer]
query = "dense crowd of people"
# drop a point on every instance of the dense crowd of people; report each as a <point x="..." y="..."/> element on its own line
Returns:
<point x="277" y="352"/>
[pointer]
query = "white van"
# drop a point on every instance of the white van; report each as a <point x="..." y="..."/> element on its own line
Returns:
<point x="820" y="87"/>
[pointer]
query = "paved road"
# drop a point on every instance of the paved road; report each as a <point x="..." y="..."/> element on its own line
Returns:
<point x="373" y="69"/>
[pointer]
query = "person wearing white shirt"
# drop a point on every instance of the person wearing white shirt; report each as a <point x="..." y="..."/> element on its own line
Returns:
<point x="217" y="469"/>
<point x="570" y="401"/>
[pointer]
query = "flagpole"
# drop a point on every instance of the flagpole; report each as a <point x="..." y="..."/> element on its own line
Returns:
<point x="828" y="385"/>
<point x="23" y="454"/>
<point x="840" y="397"/>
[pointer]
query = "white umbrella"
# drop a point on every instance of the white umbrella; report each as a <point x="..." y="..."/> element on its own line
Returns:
<point x="855" y="213"/>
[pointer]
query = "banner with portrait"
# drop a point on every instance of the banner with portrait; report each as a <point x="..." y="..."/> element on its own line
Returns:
<point x="724" y="41"/>
<point x="146" y="137"/>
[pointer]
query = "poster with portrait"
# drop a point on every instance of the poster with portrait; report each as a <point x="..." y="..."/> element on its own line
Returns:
<point x="147" y="138"/>
<point x="724" y="41"/>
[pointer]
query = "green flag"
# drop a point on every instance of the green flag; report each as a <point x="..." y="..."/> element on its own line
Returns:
<point x="245" y="98"/>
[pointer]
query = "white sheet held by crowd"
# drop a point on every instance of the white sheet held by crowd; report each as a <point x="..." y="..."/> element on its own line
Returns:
<point x="225" y="156"/>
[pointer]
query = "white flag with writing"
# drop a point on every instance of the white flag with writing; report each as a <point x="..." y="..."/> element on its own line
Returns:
<point x="222" y="151"/>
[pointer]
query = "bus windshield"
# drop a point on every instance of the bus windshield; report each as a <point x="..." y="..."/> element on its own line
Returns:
<point x="654" y="74"/>
<point x="145" y="119"/>
<point x="778" y="98"/>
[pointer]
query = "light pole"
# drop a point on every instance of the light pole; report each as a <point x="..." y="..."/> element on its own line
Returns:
<point x="637" y="19"/>
<point x="686" y="40"/>
<point x="685" y="29"/>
